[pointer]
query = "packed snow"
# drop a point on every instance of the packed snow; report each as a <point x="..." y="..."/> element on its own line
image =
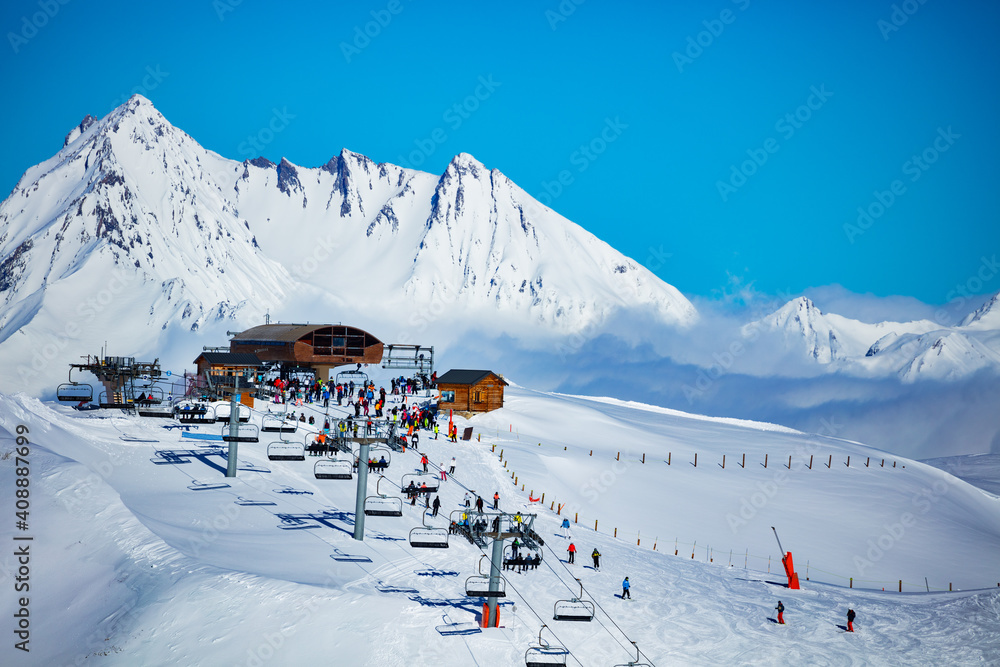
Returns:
<point x="138" y="559"/>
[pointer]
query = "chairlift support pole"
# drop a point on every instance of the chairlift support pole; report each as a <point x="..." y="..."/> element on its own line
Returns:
<point x="359" y="503"/>
<point x="496" y="562"/>
<point x="234" y="428"/>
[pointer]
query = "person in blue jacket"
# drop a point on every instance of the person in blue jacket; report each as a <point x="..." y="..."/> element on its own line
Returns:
<point x="625" y="589"/>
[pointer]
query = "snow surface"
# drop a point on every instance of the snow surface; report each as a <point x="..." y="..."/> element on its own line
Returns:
<point x="131" y="566"/>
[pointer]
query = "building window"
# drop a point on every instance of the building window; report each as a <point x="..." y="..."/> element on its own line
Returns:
<point x="477" y="397"/>
<point x="447" y="397"/>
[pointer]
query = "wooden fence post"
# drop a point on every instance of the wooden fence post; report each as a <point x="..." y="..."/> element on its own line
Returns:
<point x="618" y="456"/>
<point x="810" y="461"/>
<point x="765" y="460"/>
<point x="696" y="459"/>
<point x="668" y="458"/>
<point x="848" y="461"/>
<point x="789" y="461"/>
<point x="723" y="461"/>
<point x="744" y="463"/>
<point x="852" y="582"/>
<point x="576" y="517"/>
<point x="900" y="585"/>
<point x="644" y="458"/>
<point x="829" y="463"/>
<point x="595" y="525"/>
<point x="867" y="461"/>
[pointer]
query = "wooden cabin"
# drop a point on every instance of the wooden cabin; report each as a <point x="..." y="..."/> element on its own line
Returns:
<point x="226" y="371"/>
<point x="470" y="391"/>
<point x="321" y="347"/>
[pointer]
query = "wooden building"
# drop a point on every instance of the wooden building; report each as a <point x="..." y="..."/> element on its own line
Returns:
<point x="470" y="391"/>
<point x="318" y="346"/>
<point x="225" y="371"/>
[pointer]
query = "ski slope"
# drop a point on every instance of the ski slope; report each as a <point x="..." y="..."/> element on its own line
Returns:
<point x="130" y="565"/>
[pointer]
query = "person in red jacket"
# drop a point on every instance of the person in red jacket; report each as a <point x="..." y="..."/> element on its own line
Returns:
<point x="572" y="552"/>
<point x="781" y="612"/>
<point x="424" y="461"/>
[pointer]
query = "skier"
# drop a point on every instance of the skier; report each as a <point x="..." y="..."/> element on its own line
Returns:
<point x="423" y="461"/>
<point x="451" y="470"/>
<point x="625" y="590"/>
<point x="565" y="527"/>
<point x="437" y="505"/>
<point x="444" y="473"/>
<point x="781" y="611"/>
<point x="411" y="491"/>
<point x="479" y="504"/>
<point x="597" y="558"/>
<point x="435" y="431"/>
<point x="468" y="499"/>
<point x="572" y="553"/>
<point x="496" y="500"/>
<point x="850" y="620"/>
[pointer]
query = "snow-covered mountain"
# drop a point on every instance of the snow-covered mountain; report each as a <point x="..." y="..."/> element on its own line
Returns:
<point x="910" y="350"/>
<point x="133" y="228"/>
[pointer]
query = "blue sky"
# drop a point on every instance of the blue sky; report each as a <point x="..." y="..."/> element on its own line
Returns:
<point x="719" y="143"/>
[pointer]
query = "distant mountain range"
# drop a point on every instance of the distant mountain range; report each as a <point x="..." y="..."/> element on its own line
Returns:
<point x="135" y="234"/>
<point x="910" y="350"/>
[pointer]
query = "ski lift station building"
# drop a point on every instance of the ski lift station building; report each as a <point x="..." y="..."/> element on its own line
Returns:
<point x="321" y="347"/>
<point x="470" y="391"/>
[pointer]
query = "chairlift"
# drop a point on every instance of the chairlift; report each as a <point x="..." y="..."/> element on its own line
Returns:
<point x="333" y="469"/>
<point x="523" y="552"/>
<point x="197" y="485"/>
<point x="277" y="423"/>
<point x="223" y="410"/>
<point x="117" y="400"/>
<point x="478" y="585"/>
<point x="283" y="450"/>
<point x="636" y="663"/>
<point x="544" y="654"/>
<point x="74" y="392"/>
<point x="432" y="481"/>
<point x="427" y="537"/>
<point x="151" y="395"/>
<point x="381" y="504"/>
<point x="574" y="609"/>
<point x="360" y="378"/>
<point x="244" y="433"/>
<point x="251" y="502"/>
<point x="195" y="413"/>
<point x="343" y="557"/>
<point x="374" y="454"/>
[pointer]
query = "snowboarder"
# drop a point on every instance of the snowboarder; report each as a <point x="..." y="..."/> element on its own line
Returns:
<point x="850" y="620"/>
<point x="436" y="505"/>
<point x="565" y="527"/>
<point x="625" y="590"/>
<point x="597" y="558"/>
<point x="781" y="611"/>
<point x="496" y="500"/>
<point x="572" y="553"/>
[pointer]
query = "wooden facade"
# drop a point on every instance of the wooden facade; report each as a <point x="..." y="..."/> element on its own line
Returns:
<point x="470" y="391"/>
<point x="318" y="346"/>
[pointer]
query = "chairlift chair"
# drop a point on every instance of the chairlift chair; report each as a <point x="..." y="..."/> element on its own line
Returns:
<point x="198" y="413"/>
<point x="381" y="504"/>
<point x="544" y="654"/>
<point x="117" y="400"/>
<point x="478" y="585"/>
<point x="636" y="663"/>
<point x="427" y="537"/>
<point x="283" y="450"/>
<point x="222" y="415"/>
<point x="574" y="609"/>
<point x="374" y="453"/>
<point x="432" y="481"/>
<point x="333" y="469"/>
<point x="244" y="433"/>
<point x="74" y="392"/>
<point x="276" y="423"/>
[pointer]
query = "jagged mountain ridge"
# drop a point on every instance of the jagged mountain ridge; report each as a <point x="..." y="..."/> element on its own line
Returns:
<point x="910" y="350"/>
<point x="133" y="211"/>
